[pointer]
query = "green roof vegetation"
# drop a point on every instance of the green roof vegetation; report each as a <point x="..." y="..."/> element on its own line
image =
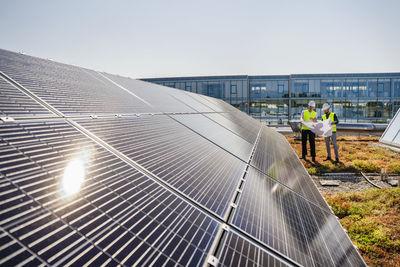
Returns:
<point x="372" y="220"/>
<point x="356" y="154"/>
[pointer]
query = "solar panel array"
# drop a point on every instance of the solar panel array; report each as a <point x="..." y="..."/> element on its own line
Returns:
<point x="391" y="136"/>
<point x="97" y="169"/>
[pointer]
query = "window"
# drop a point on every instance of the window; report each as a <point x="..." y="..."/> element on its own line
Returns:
<point x="169" y="84"/>
<point x="362" y="88"/>
<point x="381" y="88"/>
<point x="233" y="89"/>
<point x="281" y="89"/>
<point x="298" y="106"/>
<point x="255" y="89"/>
<point x="258" y="91"/>
<point x="300" y="88"/>
<point x="337" y="88"/>
<point x="214" y="89"/>
<point x="349" y="110"/>
<point x="350" y="89"/>
<point x="327" y="88"/>
<point x="372" y="87"/>
<point x="396" y="87"/>
<point x="370" y="109"/>
<point x="384" y="88"/>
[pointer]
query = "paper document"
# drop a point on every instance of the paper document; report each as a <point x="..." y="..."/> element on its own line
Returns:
<point x="322" y="128"/>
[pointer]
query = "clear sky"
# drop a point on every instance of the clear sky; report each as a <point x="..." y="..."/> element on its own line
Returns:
<point x="186" y="38"/>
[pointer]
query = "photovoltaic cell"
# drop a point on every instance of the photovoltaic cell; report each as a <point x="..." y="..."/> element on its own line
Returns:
<point x="292" y="225"/>
<point x="12" y="253"/>
<point x="217" y="134"/>
<point x="119" y="216"/>
<point x="275" y="157"/>
<point x="72" y="90"/>
<point x="14" y="103"/>
<point x="183" y="159"/>
<point x="237" y="251"/>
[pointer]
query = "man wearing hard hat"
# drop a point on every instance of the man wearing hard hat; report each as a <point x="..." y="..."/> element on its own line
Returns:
<point x="308" y="115"/>
<point x="334" y="121"/>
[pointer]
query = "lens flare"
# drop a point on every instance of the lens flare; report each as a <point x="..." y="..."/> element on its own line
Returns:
<point x="74" y="175"/>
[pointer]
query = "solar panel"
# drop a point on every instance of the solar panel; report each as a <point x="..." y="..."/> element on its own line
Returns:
<point x="158" y="177"/>
<point x="185" y="160"/>
<point x="391" y="135"/>
<point x="119" y="215"/>
<point x="217" y="134"/>
<point x="236" y="116"/>
<point x="14" y="103"/>
<point x="248" y="134"/>
<point x="71" y="90"/>
<point x="230" y="111"/>
<point x="240" y="118"/>
<point x="188" y="99"/>
<point x="237" y="251"/>
<point x="290" y="224"/>
<point x="274" y="157"/>
<point x="157" y="96"/>
<point x="215" y="106"/>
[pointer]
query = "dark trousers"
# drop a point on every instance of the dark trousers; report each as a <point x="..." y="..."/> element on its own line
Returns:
<point x="311" y="136"/>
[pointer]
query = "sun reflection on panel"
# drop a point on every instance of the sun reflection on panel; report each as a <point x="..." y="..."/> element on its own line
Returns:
<point x="74" y="174"/>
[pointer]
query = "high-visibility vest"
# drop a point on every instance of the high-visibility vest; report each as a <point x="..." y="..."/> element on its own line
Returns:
<point x="307" y="117"/>
<point x="331" y="116"/>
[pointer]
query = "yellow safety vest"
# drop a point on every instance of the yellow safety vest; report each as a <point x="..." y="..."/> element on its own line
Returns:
<point x="307" y="117"/>
<point x="331" y="116"/>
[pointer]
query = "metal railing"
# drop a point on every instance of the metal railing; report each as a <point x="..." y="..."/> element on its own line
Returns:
<point x="347" y="127"/>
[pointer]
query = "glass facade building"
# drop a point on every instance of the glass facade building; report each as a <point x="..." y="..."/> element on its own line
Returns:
<point x="354" y="97"/>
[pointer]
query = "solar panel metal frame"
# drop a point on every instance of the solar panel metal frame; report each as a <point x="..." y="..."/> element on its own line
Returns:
<point x="395" y="119"/>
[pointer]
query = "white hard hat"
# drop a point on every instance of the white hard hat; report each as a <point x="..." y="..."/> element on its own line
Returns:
<point x="325" y="106"/>
<point x="311" y="104"/>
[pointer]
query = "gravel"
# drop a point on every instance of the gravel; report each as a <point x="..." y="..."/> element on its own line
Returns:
<point x="351" y="183"/>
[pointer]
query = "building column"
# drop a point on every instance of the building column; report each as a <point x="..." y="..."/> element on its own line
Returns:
<point x="248" y="95"/>
<point x="290" y="99"/>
